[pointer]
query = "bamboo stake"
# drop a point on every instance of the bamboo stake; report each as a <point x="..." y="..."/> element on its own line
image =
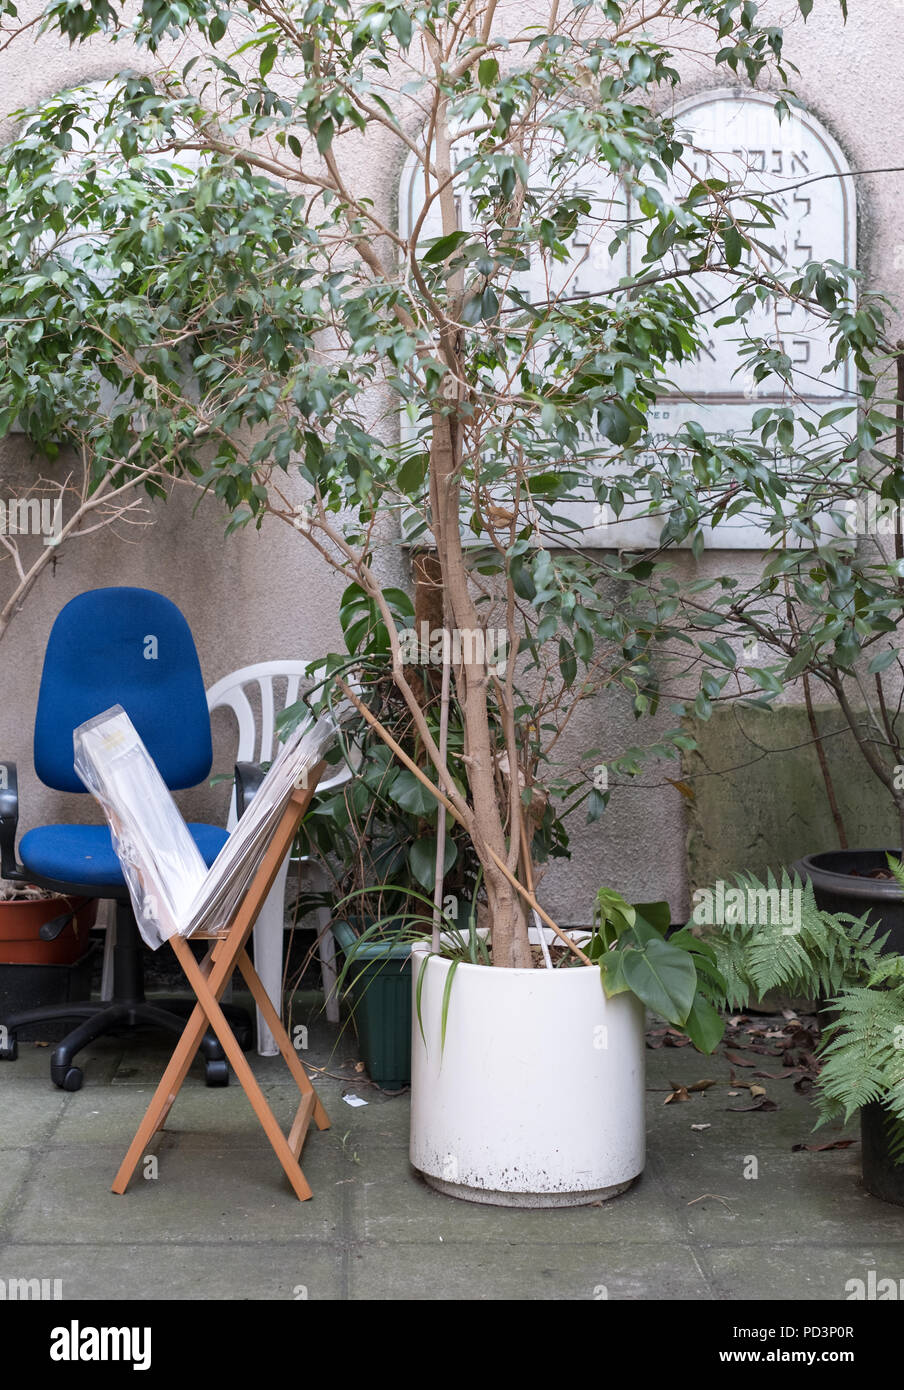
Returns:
<point x="444" y="800"/>
<point x="441" y="813"/>
<point x="529" y="875"/>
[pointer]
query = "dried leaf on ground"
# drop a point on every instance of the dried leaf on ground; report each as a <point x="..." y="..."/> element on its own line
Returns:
<point x="821" y="1148"/>
<point x="738" y="1061"/>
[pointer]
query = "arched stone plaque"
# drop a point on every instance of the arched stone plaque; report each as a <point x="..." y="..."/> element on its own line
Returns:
<point x="728" y="135"/>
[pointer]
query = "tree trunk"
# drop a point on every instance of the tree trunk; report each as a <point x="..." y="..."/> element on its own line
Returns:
<point x="508" y="924"/>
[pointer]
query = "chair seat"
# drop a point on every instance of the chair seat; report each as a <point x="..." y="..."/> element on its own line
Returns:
<point x="85" y="854"/>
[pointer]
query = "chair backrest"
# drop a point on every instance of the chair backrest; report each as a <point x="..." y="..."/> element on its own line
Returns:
<point x="257" y="734"/>
<point x="130" y="647"/>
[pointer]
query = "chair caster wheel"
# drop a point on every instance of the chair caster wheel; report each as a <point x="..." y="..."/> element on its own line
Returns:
<point x="72" y="1079"/>
<point x="216" y="1073"/>
<point x="10" y="1052"/>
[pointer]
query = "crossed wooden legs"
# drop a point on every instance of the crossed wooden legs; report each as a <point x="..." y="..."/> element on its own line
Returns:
<point x="208" y="980"/>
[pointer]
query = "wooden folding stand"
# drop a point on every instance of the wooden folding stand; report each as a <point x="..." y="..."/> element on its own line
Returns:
<point x="208" y="979"/>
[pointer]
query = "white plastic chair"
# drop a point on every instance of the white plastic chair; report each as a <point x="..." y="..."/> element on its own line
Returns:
<point x="257" y="743"/>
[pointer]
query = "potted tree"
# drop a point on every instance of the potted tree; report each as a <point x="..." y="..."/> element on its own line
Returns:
<point x="299" y="307"/>
<point x="377" y="838"/>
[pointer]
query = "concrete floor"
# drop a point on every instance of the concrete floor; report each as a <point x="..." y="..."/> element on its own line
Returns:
<point x="219" y="1220"/>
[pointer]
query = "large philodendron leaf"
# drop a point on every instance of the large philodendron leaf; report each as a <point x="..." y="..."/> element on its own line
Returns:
<point x="704" y="1025"/>
<point x="662" y="976"/>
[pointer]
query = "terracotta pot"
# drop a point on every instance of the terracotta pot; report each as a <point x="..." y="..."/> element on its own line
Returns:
<point x="20" y="923"/>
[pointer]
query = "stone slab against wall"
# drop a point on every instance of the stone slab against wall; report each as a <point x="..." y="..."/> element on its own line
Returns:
<point x="759" y="797"/>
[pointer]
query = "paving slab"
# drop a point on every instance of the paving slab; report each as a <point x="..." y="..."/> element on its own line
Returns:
<point x="393" y="1203"/>
<point x="16" y="1166"/>
<point x="28" y="1113"/>
<point x="192" y="1194"/>
<point x="290" y="1272"/>
<point x="725" y="1210"/>
<point x="524" y="1270"/>
<point x="789" y="1274"/>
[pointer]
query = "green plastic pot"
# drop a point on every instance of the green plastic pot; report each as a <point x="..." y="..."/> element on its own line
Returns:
<point x="380" y="982"/>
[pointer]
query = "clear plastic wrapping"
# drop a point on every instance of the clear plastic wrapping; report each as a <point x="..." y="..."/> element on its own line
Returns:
<point x="171" y="888"/>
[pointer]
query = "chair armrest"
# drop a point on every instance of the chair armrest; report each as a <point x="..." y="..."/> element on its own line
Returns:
<point x="9" y="820"/>
<point x="248" y="778"/>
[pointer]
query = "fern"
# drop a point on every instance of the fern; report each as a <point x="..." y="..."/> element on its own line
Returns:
<point x="897" y="869"/>
<point x="834" y="955"/>
<point x="863" y="1057"/>
<point x="816" y="954"/>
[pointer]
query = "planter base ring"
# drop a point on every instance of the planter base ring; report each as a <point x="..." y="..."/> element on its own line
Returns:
<point x="490" y="1197"/>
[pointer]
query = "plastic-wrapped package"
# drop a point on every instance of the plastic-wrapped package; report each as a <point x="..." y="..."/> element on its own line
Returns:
<point x="171" y="888"/>
<point x="161" y="863"/>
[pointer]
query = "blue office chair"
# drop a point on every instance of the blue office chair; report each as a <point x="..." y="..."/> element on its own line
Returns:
<point x="112" y="646"/>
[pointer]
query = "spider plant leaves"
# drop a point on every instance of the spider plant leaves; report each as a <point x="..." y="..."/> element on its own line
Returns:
<point x="447" y="996"/>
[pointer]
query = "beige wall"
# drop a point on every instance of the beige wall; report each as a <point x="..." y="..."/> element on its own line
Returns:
<point x="258" y="596"/>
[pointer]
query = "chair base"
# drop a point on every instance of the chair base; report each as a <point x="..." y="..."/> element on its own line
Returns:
<point x="115" y="1016"/>
<point x="126" y="1010"/>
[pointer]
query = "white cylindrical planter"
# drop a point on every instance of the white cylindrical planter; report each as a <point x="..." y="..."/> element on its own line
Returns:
<point x="537" y="1097"/>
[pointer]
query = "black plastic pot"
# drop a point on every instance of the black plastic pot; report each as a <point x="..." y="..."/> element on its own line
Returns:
<point x="882" y="1177"/>
<point x="881" y="900"/>
<point x="24" y="987"/>
<point x="837" y="890"/>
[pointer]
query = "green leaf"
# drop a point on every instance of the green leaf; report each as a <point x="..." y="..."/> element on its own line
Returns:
<point x="447" y="994"/>
<point x="400" y="24"/>
<point x="444" y="247"/>
<point x="766" y="680"/>
<point x="882" y="660"/>
<point x="422" y="859"/>
<point x="704" y="1024"/>
<point x="410" y="793"/>
<point x="567" y="662"/>
<point x="419" y="989"/>
<point x="268" y="58"/>
<point x="733" y="243"/>
<point x="834" y="416"/>
<point x="662" y="976"/>
<point x="487" y="71"/>
<point x="657" y="915"/>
